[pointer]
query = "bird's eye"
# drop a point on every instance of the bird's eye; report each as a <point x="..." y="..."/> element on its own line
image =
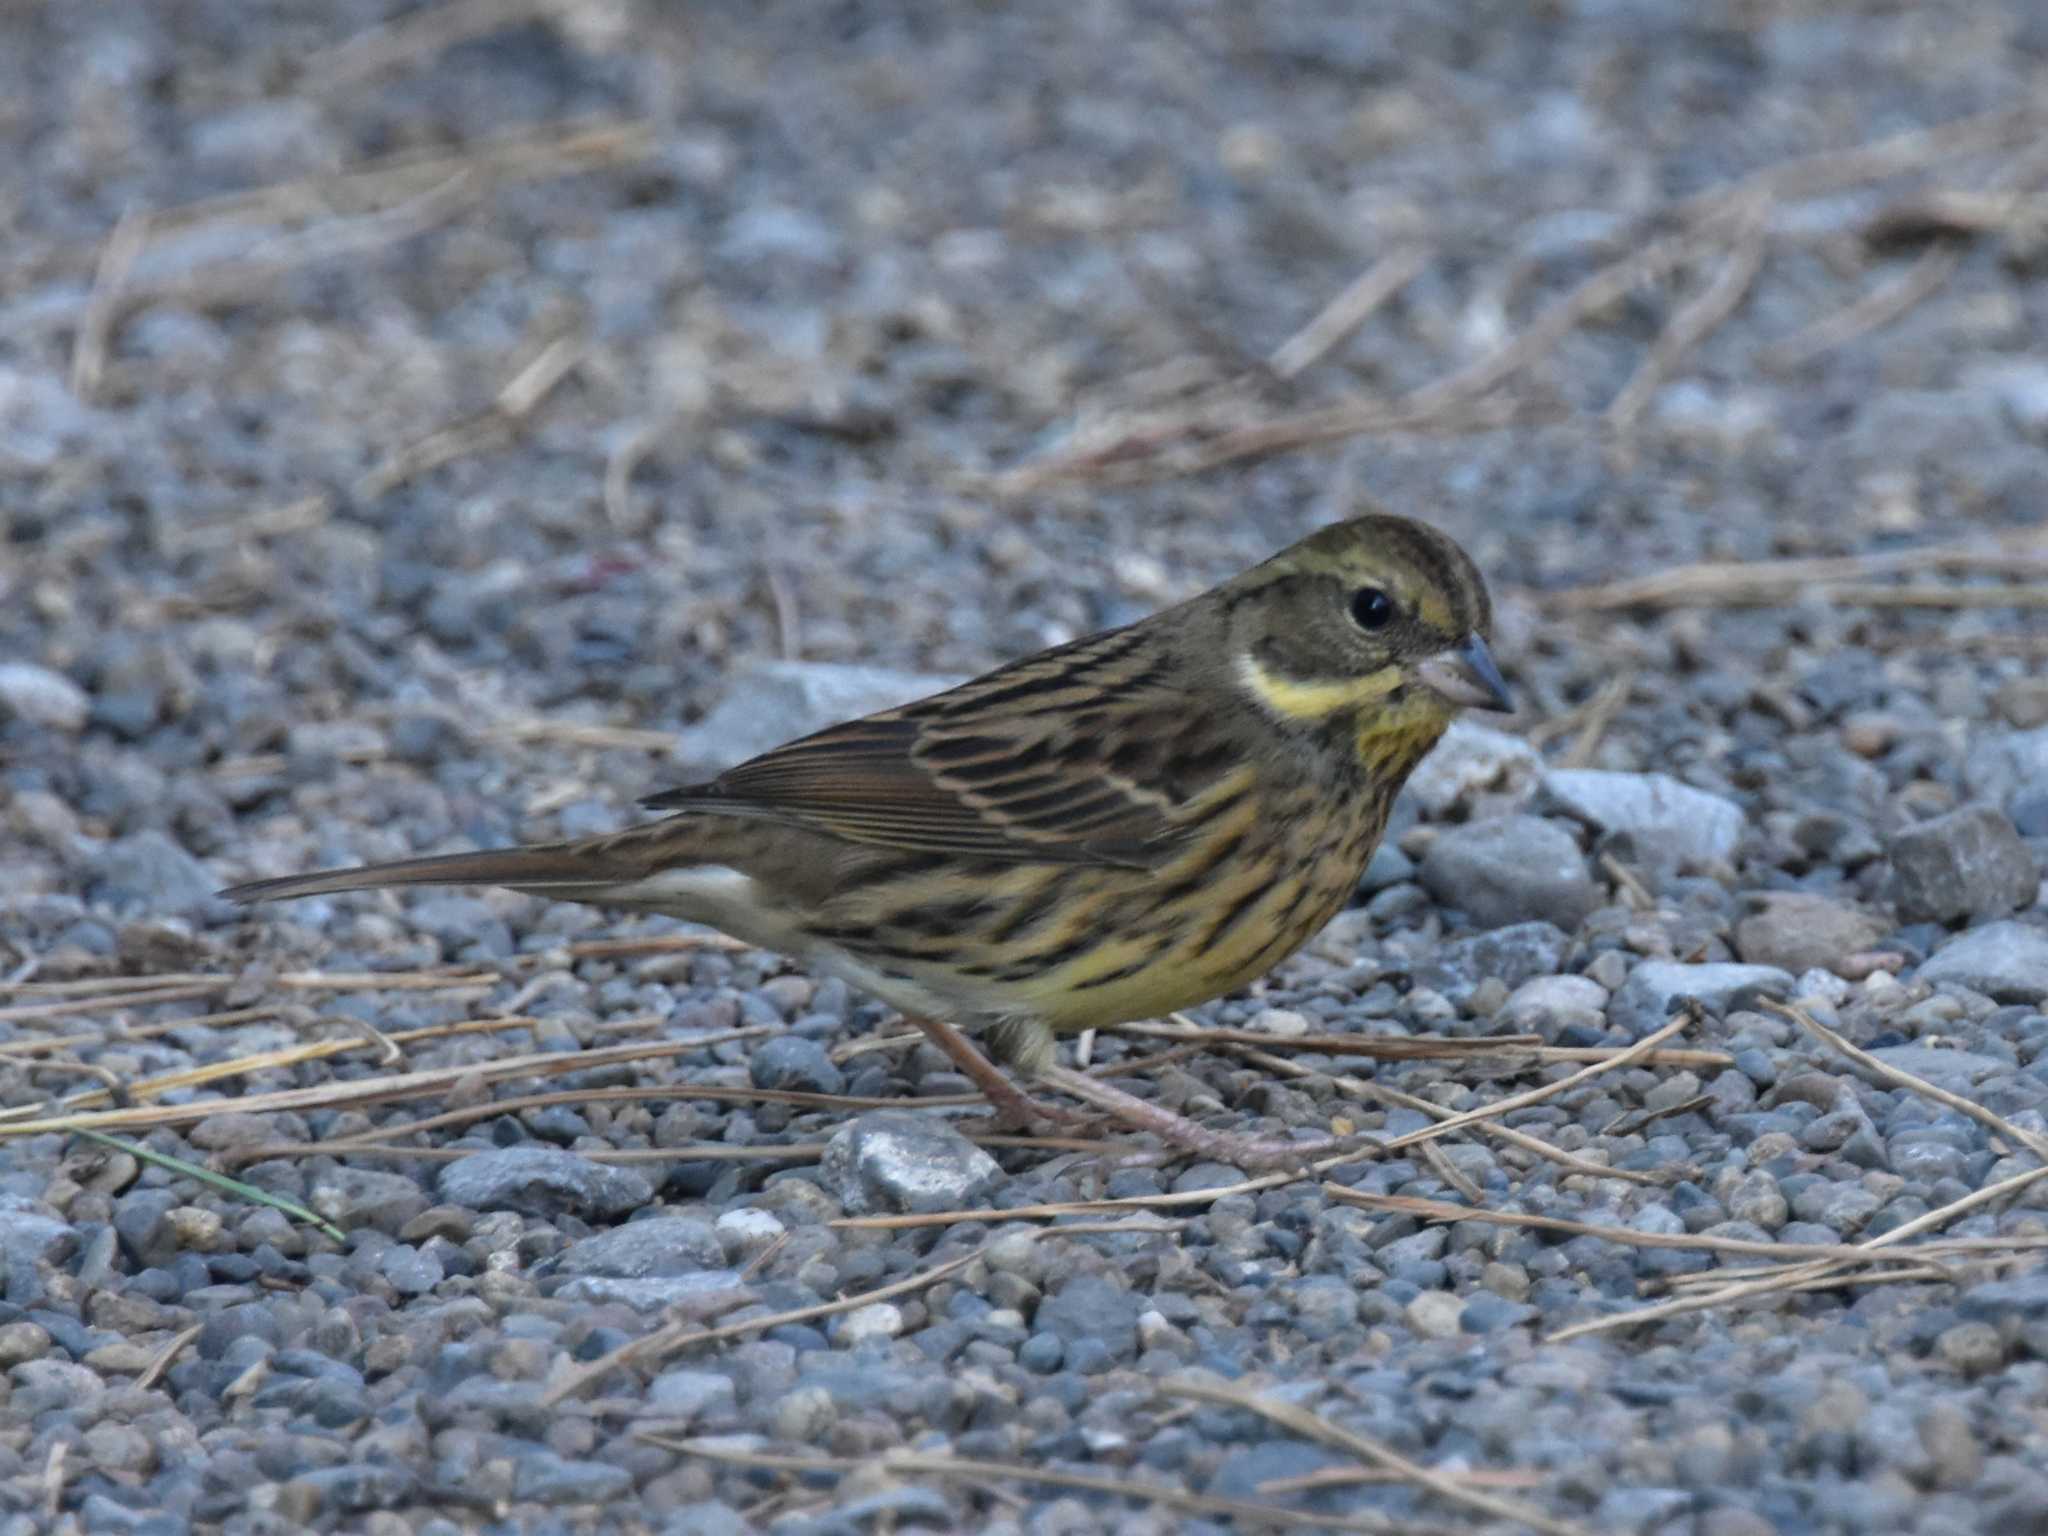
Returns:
<point x="1371" y="608"/>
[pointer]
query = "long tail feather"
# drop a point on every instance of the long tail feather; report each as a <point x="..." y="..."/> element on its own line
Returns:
<point x="542" y="867"/>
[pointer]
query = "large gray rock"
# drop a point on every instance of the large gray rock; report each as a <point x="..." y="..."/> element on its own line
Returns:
<point x="892" y="1163"/>
<point x="1655" y="988"/>
<point x="1970" y="863"/>
<point x="777" y="701"/>
<point x="1670" y="822"/>
<point x="2007" y="961"/>
<point x="1512" y="869"/>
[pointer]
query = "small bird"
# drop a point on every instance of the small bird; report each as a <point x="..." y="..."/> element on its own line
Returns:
<point x="1125" y="825"/>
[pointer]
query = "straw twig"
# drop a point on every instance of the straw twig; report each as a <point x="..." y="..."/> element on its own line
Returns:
<point x="1116" y="1485"/>
<point x="1356" y="303"/>
<point x="1313" y="1426"/>
<point x="1694" y="322"/>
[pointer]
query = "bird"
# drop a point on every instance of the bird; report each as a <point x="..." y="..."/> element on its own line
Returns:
<point x="1113" y="829"/>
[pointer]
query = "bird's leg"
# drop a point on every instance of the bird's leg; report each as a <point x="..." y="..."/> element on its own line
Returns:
<point x="1015" y="1109"/>
<point x="1250" y="1152"/>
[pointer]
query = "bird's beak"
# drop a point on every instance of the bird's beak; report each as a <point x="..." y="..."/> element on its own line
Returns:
<point x="1465" y="674"/>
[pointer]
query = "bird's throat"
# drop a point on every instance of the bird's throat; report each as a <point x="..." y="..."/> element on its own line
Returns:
<point x="1389" y="747"/>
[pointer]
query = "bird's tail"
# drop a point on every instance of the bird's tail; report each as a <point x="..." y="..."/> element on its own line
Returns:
<point x="555" y="869"/>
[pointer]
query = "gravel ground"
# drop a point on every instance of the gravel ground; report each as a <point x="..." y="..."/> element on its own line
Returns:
<point x="414" y="439"/>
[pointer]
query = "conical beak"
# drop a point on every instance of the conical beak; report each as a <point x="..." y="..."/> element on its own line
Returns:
<point x="1465" y="674"/>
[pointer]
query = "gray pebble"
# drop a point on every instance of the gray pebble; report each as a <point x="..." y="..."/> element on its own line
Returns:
<point x="1512" y="869"/>
<point x="546" y="1478"/>
<point x="1797" y="931"/>
<point x="654" y="1245"/>
<point x="1092" y="1307"/>
<point x="700" y="1293"/>
<point x="543" y="1182"/>
<point x="893" y="1163"/>
<point x="794" y="1062"/>
<point x="1756" y="1198"/>
<point x="691" y="1394"/>
<point x="142" y="1218"/>
<point x="411" y="1271"/>
<point x="1510" y="955"/>
<point x="149" y="869"/>
<point x="30" y="1236"/>
<point x="366" y="1197"/>
<point x="1556" y="1002"/>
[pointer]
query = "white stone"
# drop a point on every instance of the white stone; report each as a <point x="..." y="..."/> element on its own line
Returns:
<point x="876" y="1320"/>
<point x="43" y="697"/>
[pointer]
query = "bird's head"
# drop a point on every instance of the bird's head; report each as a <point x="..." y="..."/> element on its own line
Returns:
<point x="1378" y="618"/>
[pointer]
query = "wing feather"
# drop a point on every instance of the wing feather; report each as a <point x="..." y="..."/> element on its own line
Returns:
<point x="1014" y="767"/>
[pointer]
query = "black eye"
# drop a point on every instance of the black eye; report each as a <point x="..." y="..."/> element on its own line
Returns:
<point x="1371" y="608"/>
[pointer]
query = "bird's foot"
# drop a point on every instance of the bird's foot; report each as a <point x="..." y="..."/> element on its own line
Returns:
<point x="1251" y="1153"/>
<point x="1015" y="1110"/>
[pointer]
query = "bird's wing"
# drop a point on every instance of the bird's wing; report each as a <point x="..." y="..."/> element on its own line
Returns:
<point x="1083" y="755"/>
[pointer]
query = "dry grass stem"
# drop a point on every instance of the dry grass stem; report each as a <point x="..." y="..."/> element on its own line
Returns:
<point x="36" y="1013"/>
<point x="1350" y="309"/>
<point x="103" y="307"/>
<point x="1694" y="322"/>
<point x="1761" y="583"/>
<point x="388" y="1089"/>
<point x="571" y="733"/>
<point x="689" y="1152"/>
<point x="414" y="40"/>
<point x="1871" y="311"/>
<point x="99" y="986"/>
<point x="2014" y="1136"/>
<point x="153" y="1372"/>
<point x="1216" y="423"/>
<point x="1444" y="1210"/>
<point x="1822" y="1273"/>
<point x="1525" y="1049"/>
<point x="496" y="428"/>
<point x="1380" y="1093"/>
<point x="1117" y="1485"/>
<point x="1313" y="1426"/>
<point x="1601" y="711"/>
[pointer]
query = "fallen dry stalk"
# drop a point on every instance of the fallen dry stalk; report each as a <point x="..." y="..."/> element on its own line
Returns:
<point x="1117" y="1485"/>
<point x="1313" y="1426"/>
